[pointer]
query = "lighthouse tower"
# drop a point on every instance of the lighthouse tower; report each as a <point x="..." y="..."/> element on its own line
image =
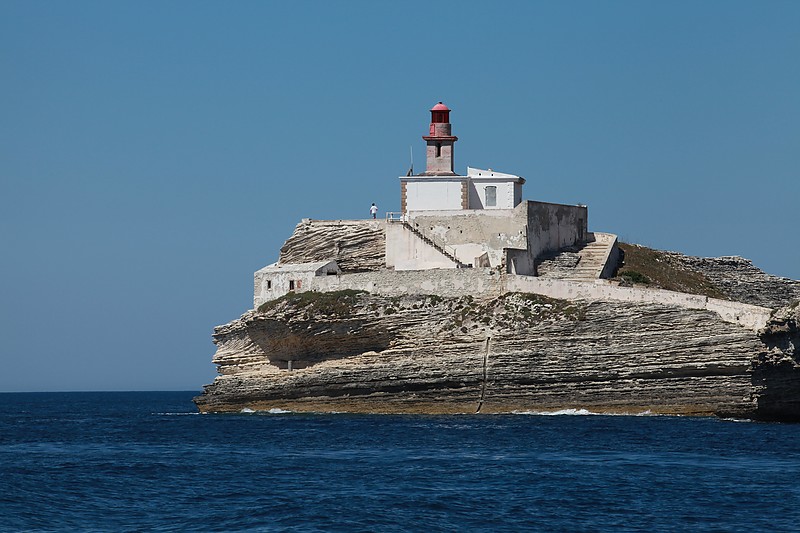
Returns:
<point x="440" y="143"/>
<point x="439" y="188"/>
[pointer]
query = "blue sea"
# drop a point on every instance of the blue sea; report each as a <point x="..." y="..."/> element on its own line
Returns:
<point x="146" y="461"/>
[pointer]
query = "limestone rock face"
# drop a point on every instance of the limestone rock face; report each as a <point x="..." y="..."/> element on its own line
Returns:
<point x="518" y="352"/>
<point x="742" y="281"/>
<point x="776" y="375"/>
<point x="356" y="245"/>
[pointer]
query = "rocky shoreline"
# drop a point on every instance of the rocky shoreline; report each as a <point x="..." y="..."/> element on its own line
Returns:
<point x="488" y="350"/>
<point x="358" y="352"/>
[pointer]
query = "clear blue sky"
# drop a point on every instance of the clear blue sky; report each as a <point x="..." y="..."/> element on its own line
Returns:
<point x="154" y="154"/>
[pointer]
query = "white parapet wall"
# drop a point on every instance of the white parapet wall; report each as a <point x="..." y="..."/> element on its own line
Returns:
<point x="488" y="283"/>
<point x="748" y="316"/>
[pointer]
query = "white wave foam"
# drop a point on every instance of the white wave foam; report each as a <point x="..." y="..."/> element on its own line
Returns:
<point x="580" y="412"/>
<point x="273" y="411"/>
<point x="560" y="412"/>
<point x="176" y="414"/>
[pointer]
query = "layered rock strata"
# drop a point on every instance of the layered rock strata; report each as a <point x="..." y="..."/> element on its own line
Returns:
<point x="355" y="245"/>
<point x="742" y="281"/>
<point x="365" y="353"/>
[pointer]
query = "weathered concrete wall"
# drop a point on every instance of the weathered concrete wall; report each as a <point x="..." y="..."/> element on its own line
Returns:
<point x="276" y="280"/>
<point x="475" y="232"/>
<point x="555" y="226"/>
<point x="476" y="282"/>
<point x="748" y="316"/>
<point x="433" y="193"/>
<point x="406" y="251"/>
<point x="611" y="259"/>
<point x="486" y="282"/>
<point x="505" y="197"/>
<point x="511" y="238"/>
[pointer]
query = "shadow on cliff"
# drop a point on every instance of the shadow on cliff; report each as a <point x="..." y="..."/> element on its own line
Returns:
<point x="308" y="342"/>
<point x="776" y="371"/>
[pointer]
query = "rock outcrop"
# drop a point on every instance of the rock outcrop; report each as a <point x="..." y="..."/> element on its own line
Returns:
<point x="363" y="352"/>
<point x="355" y="245"/>
<point x="742" y="281"/>
<point x="359" y="352"/>
<point x="776" y="372"/>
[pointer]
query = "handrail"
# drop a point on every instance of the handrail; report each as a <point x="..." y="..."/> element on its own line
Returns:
<point x="449" y="251"/>
<point x="396" y="217"/>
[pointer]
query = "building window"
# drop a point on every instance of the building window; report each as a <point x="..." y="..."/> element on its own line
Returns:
<point x="491" y="196"/>
<point x="438" y="149"/>
<point x="269" y="284"/>
<point x="291" y="284"/>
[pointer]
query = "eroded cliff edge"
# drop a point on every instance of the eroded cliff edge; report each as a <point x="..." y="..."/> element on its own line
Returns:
<point x="359" y="352"/>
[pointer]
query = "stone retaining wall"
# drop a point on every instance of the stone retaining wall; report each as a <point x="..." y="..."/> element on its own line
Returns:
<point x="485" y="282"/>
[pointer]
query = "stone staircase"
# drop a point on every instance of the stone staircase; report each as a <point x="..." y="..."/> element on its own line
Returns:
<point x="580" y="262"/>
<point x="441" y="247"/>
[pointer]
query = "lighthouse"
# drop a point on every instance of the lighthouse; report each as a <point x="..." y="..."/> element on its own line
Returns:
<point x="440" y="188"/>
<point x="440" y="139"/>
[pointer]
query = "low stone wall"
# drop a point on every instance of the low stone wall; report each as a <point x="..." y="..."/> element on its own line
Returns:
<point x="477" y="282"/>
<point x="611" y="258"/>
<point x="748" y="316"/>
<point x="485" y="282"/>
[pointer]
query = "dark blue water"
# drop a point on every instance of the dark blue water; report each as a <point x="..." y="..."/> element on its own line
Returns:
<point x="146" y="462"/>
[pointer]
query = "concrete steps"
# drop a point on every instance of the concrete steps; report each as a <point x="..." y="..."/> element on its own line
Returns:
<point x="581" y="262"/>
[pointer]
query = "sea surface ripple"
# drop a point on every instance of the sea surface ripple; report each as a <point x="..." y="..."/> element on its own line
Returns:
<point x="147" y="461"/>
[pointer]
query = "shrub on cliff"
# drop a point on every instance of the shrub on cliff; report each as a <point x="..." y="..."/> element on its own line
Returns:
<point x="659" y="269"/>
<point x="337" y="303"/>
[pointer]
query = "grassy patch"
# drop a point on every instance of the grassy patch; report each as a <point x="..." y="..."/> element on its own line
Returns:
<point x="337" y="303"/>
<point x="635" y="277"/>
<point x="658" y="269"/>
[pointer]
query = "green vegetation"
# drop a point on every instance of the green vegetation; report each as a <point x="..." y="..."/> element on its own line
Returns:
<point x="635" y="277"/>
<point x="659" y="269"/>
<point x="337" y="303"/>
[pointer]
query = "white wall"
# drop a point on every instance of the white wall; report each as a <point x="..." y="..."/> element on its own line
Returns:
<point x="506" y="196"/>
<point x="279" y="284"/>
<point x="406" y="251"/>
<point x="470" y="233"/>
<point x="485" y="282"/>
<point x="433" y="195"/>
<point x="273" y="281"/>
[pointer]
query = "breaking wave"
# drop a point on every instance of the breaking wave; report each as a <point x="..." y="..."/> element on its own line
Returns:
<point x="580" y="412"/>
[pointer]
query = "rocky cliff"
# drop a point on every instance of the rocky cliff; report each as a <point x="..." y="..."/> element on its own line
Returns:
<point x="356" y="245"/>
<point x="732" y="278"/>
<point x="360" y="352"/>
<point x="354" y="351"/>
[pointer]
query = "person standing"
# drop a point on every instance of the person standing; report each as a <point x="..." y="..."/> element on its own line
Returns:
<point x="373" y="210"/>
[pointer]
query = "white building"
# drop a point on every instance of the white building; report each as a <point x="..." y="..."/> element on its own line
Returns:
<point x="273" y="281"/>
<point x="439" y="188"/>
<point x="449" y="221"/>
<point x="478" y="219"/>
